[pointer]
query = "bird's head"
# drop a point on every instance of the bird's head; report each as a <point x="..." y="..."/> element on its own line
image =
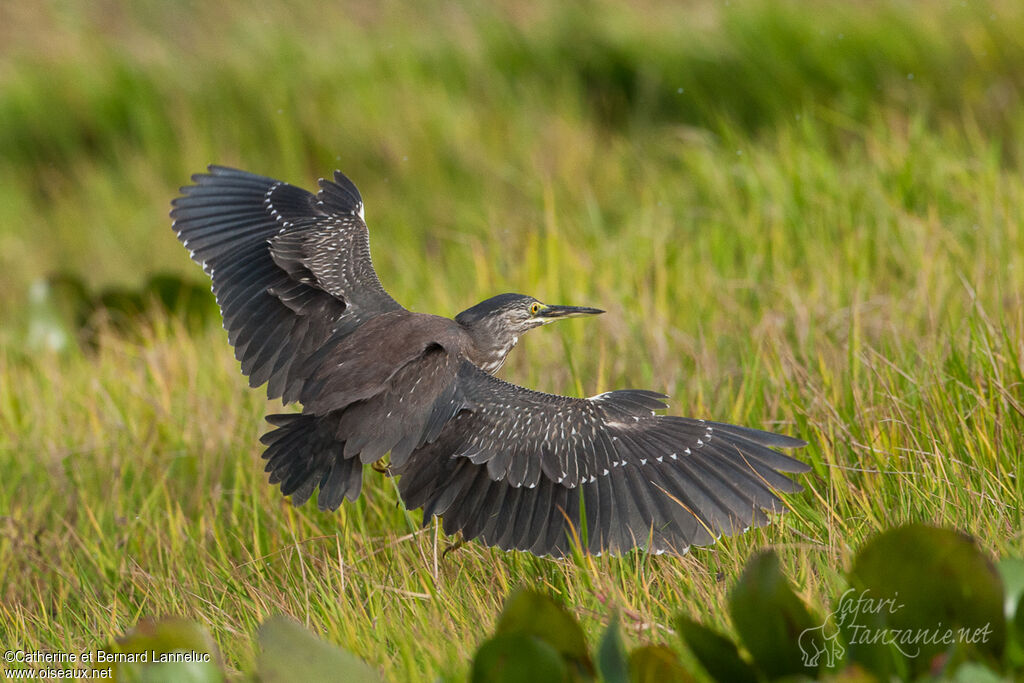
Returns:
<point x="496" y="324"/>
<point x="517" y="313"/>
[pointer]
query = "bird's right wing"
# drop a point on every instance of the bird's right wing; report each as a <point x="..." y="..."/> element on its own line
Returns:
<point x="518" y="469"/>
<point x="289" y="268"/>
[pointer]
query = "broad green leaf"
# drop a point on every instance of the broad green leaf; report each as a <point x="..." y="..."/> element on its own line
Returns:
<point x="1018" y="621"/>
<point x="656" y="664"/>
<point x="518" y="658"/>
<point x="852" y="673"/>
<point x="289" y="652"/>
<point x="973" y="672"/>
<point x="1012" y="572"/>
<point x="531" y="613"/>
<point x="1016" y="653"/>
<point x="611" y="655"/>
<point x="170" y="650"/>
<point x="920" y="593"/>
<point x="772" y="621"/>
<point x="716" y="653"/>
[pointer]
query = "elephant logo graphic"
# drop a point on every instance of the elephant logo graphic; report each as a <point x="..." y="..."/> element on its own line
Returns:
<point x="821" y="640"/>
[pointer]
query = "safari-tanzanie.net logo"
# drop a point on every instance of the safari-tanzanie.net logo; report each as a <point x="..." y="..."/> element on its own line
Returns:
<point x="857" y="618"/>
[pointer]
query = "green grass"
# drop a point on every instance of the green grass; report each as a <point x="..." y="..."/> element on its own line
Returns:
<point x="821" y="234"/>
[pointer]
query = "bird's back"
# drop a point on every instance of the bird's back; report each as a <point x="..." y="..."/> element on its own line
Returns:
<point x="368" y="362"/>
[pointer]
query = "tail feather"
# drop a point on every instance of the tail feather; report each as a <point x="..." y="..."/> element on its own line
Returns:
<point x="303" y="454"/>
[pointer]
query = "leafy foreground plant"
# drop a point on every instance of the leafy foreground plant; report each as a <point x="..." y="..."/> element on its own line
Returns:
<point x="921" y="603"/>
<point x="288" y="652"/>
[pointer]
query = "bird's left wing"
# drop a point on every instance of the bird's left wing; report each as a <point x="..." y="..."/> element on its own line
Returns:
<point x="518" y="468"/>
<point x="290" y="269"/>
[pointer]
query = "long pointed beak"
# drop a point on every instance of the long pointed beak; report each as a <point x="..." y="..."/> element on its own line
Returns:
<point x="552" y="313"/>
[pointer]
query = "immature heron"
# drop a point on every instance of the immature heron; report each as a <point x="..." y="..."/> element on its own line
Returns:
<point x="512" y="467"/>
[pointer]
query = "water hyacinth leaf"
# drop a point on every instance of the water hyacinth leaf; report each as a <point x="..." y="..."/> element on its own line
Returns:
<point x="973" y="672"/>
<point x="851" y="673"/>
<point x="612" y="662"/>
<point x="531" y="613"/>
<point x="656" y="664"/>
<point x="716" y="653"/>
<point x="288" y="652"/>
<point x="169" y="650"/>
<point x="1012" y="572"/>
<point x="770" y="618"/>
<point x="1018" y="635"/>
<point x="922" y="597"/>
<point x="518" y="658"/>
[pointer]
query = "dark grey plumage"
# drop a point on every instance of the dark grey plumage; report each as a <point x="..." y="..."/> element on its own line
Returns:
<point x="514" y="468"/>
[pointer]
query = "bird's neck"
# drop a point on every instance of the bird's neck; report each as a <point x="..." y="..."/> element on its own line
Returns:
<point x="487" y="351"/>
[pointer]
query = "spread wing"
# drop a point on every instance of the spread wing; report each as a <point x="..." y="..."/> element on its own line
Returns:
<point x="290" y="269"/>
<point x="518" y="469"/>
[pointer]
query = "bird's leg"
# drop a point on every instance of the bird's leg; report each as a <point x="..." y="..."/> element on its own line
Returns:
<point x="454" y="545"/>
<point x="381" y="466"/>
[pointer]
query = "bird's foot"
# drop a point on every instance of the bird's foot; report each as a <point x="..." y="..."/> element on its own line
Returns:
<point x="455" y="545"/>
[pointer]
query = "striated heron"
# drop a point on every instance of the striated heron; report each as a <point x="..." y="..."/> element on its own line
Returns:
<point x="514" y="468"/>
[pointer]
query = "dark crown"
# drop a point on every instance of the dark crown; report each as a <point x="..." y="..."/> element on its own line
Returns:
<point x="488" y="307"/>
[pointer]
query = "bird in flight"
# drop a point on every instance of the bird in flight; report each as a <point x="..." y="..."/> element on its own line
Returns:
<point x="514" y="468"/>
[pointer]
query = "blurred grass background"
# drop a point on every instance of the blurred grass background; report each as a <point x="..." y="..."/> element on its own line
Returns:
<point x="799" y="217"/>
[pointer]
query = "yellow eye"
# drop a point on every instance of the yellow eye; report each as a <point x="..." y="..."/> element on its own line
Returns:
<point x="534" y="308"/>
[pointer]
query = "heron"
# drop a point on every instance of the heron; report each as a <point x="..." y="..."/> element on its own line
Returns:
<point x="511" y="467"/>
